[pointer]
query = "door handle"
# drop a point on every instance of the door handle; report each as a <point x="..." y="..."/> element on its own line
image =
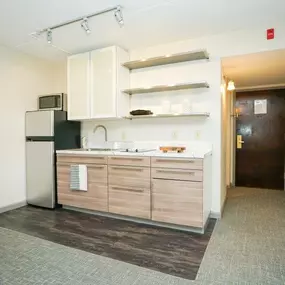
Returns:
<point x="240" y="142"/>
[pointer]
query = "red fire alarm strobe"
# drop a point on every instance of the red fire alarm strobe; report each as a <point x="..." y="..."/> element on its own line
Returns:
<point x="270" y="34"/>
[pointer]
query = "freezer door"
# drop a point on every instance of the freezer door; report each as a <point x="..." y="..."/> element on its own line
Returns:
<point x="40" y="174"/>
<point x="40" y="124"/>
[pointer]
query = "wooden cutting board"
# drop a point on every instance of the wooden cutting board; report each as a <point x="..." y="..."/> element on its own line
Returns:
<point x="178" y="149"/>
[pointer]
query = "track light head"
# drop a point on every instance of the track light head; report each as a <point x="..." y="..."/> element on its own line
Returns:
<point x="119" y="16"/>
<point x="85" y="26"/>
<point x="49" y="36"/>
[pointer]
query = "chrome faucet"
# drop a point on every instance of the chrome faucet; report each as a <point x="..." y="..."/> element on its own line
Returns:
<point x="103" y="127"/>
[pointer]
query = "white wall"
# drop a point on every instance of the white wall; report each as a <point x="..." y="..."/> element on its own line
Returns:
<point x="219" y="46"/>
<point x="22" y="79"/>
<point x="175" y="129"/>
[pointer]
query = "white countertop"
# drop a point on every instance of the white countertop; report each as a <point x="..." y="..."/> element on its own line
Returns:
<point x="188" y="154"/>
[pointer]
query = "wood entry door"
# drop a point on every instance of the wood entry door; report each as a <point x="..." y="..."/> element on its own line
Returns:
<point x="260" y="130"/>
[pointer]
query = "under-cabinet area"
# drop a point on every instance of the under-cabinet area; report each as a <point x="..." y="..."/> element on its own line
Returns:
<point x="169" y="191"/>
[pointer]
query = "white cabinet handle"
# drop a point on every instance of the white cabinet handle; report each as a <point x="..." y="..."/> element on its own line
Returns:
<point x="127" y="189"/>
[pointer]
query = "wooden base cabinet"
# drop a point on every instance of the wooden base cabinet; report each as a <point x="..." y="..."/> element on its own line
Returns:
<point x="129" y="201"/>
<point x="174" y="191"/>
<point x="177" y="202"/>
<point x="181" y="190"/>
<point x="95" y="198"/>
<point x="129" y="186"/>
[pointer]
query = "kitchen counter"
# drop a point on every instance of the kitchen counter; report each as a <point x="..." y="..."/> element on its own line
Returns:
<point x="159" y="188"/>
<point x="187" y="154"/>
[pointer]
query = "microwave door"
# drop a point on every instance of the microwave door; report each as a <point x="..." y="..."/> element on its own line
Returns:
<point x="40" y="124"/>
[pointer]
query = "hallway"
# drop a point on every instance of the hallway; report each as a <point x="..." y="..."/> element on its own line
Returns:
<point x="246" y="247"/>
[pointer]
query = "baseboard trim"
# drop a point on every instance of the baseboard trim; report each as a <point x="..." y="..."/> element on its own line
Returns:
<point x="215" y="215"/>
<point x="13" y="206"/>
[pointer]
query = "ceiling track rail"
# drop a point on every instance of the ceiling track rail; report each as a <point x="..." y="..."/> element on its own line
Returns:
<point x="76" y="20"/>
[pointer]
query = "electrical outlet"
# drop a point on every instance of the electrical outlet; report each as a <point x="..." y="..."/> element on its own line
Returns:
<point x="123" y="136"/>
<point x="174" y="135"/>
<point x="197" y="134"/>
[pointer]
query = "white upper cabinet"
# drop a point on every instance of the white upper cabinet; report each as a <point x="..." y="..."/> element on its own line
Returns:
<point x="78" y="75"/>
<point x="96" y="92"/>
<point x="103" y="83"/>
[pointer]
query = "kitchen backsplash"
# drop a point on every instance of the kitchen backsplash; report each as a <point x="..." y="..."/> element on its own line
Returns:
<point x="150" y="132"/>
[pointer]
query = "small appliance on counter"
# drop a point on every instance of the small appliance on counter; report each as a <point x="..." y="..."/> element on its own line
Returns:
<point x="53" y="102"/>
<point x="46" y="132"/>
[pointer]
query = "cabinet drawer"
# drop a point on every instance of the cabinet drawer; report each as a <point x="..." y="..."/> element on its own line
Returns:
<point x="131" y="177"/>
<point x="129" y="160"/>
<point x="129" y="201"/>
<point x="83" y="202"/>
<point x="95" y="173"/>
<point x="177" y="174"/>
<point x="177" y="202"/>
<point x="182" y="163"/>
<point x="133" y="172"/>
<point x="81" y="159"/>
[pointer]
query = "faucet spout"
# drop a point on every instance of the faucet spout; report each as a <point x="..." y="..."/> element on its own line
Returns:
<point x="104" y="128"/>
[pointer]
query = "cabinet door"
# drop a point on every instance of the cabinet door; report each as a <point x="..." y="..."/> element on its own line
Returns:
<point x="103" y="83"/>
<point x="177" y="202"/>
<point x="95" y="198"/>
<point x="78" y="81"/>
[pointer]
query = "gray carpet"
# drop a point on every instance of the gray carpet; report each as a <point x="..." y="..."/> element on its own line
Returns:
<point x="247" y="247"/>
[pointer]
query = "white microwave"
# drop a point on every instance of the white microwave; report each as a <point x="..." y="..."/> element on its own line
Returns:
<point x="53" y="102"/>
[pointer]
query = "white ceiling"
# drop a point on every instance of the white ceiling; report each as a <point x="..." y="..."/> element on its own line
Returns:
<point x="259" y="69"/>
<point x="147" y="22"/>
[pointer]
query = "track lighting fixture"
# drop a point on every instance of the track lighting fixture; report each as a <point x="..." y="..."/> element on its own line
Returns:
<point x="49" y="36"/>
<point x="84" y="22"/>
<point x="119" y="16"/>
<point x="85" y="26"/>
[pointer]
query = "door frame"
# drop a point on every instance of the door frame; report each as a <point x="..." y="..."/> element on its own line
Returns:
<point x="233" y="139"/>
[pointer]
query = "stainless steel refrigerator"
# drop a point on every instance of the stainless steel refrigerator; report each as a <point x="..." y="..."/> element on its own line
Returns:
<point x="46" y="132"/>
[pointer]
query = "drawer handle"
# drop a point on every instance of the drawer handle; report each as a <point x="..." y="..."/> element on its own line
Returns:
<point x="176" y="161"/>
<point x="128" y="169"/>
<point x="94" y="166"/>
<point x="87" y="164"/>
<point x="128" y="158"/>
<point x="175" y="172"/>
<point x="63" y="163"/>
<point x="128" y="189"/>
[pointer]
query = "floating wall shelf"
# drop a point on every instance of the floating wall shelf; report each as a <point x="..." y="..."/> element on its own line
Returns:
<point x="167" y="59"/>
<point x="193" y="114"/>
<point x="162" y="88"/>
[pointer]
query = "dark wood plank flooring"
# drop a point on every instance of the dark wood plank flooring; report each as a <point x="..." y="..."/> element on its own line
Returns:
<point x="165" y="250"/>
